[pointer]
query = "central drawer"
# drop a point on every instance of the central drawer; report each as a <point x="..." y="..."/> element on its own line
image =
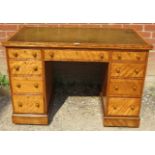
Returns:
<point x="27" y="85"/>
<point x="121" y="87"/>
<point x="25" y="67"/>
<point x="76" y="55"/>
<point x="28" y="104"/>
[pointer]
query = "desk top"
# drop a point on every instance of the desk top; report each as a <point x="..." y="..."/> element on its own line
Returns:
<point x="111" y="38"/>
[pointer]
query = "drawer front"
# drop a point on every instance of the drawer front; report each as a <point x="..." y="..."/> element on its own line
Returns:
<point x="24" y="54"/>
<point x="120" y="87"/>
<point x="127" y="70"/>
<point x="28" y="104"/>
<point x="129" y="56"/>
<point x="123" y="106"/>
<point x="75" y="55"/>
<point x="25" y="67"/>
<point x="26" y="85"/>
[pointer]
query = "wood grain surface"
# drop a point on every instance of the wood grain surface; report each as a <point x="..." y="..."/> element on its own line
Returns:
<point x="25" y="67"/>
<point x="30" y="119"/>
<point x="27" y="85"/>
<point x="121" y="122"/>
<point x="28" y="104"/>
<point x="127" y="70"/>
<point x="127" y="87"/>
<point x="76" y="55"/>
<point x="24" y="53"/>
<point x="123" y="106"/>
<point x="129" y="56"/>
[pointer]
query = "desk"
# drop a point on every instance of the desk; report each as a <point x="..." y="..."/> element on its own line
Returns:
<point x="29" y="50"/>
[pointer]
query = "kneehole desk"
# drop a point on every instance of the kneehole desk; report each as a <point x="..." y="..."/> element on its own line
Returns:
<point x="29" y="50"/>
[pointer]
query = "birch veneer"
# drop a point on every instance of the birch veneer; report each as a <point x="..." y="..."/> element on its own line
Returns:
<point x="29" y="50"/>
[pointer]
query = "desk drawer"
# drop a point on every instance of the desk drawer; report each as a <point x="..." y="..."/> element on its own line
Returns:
<point x="76" y="55"/>
<point x="25" y="67"/>
<point x="129" y="56"/>
<point x="28" y="104"/>
<point x="123" y="106"/>
<point x="26" y="85"/>
<point x="125" y="87"/>
<point x="24" y="53"/>
<point x="127" y="70"/>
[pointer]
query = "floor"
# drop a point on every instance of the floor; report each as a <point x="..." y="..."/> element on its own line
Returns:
<point x="84" y="112"/>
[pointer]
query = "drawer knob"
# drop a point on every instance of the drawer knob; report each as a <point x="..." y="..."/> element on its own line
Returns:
<point x="136" y="71"/>
<point x="134" y="88"/>
<point x="17" y="68"/>
<point x="51" y="55"/>
<point x="114" y="107"/>
<point x="132" y="107"/>
<point x="35" y="69"/>
<point x="34" y="55"/>
<point x="37" y="105"/>
<point x="15" y="55"/>
<point x="20" y="104"/>
<point x="102" y="56"/>
<point x="36" y="85"/>
<point x="116" y="88"/>
<point x="119" y="57"/>
<point x="117" y="70"/>
<point x="18" y="86"/>
<point x="138" y="57"/>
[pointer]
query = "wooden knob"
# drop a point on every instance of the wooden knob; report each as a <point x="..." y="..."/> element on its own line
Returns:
<point x="20" y="104"/>
<point x="36" y="85"/>
<point x="102" y="56"/>
<point x="15" y="55"/>
<point x="117" y="70"/>
<point x="37" y="105"/>
<point x="18" y="86"/>
<point x="119" y="57"/>
<point x="134" y="88"/>
<point x="51" y="55"/>
<point x="34" y="55"/>
<point x="35" y="68"/>
<point x="114" y="107"/>
<point x="132" y="107"/>
<point x="136" y="71"/>
<point x="17" y="68"/>
<point x="138" y="57"/>
<point x="116" y="88"/>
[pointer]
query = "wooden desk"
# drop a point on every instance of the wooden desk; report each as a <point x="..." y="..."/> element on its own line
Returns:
<point x="30" y="49"/>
